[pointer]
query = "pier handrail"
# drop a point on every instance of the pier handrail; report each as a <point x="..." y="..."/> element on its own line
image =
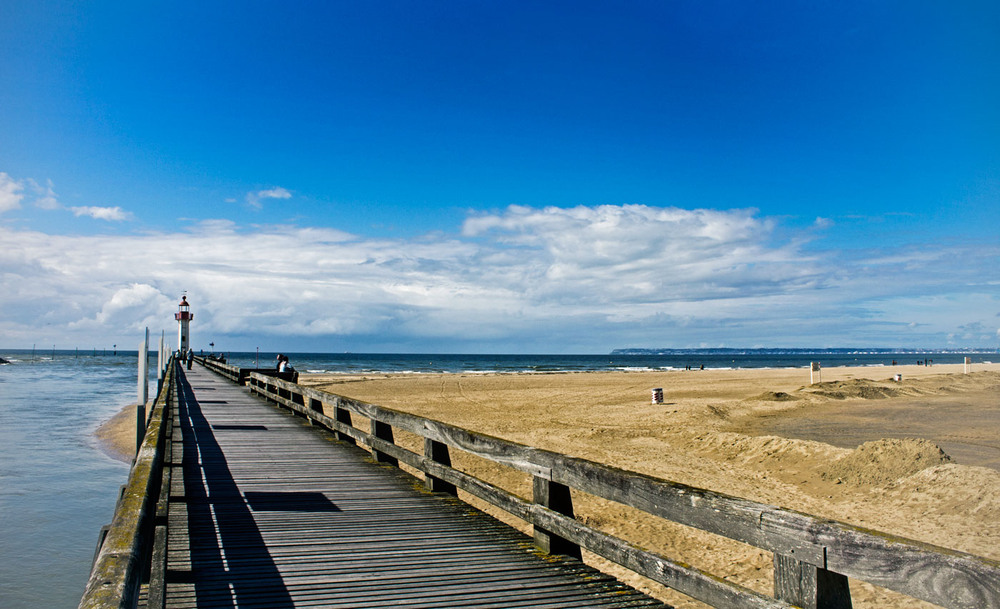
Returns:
<point x="240" y="375"/>
<point x="813" y="557"/>
<point x="227" y="370"/>
<point x="125" y="551"/>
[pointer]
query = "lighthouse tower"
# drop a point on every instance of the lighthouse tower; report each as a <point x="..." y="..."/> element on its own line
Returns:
<point x="183" y="317"/>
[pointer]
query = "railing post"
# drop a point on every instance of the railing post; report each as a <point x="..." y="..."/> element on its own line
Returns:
<point x="383" y="431"/>
<point x="556" y="497"/>
<point x="315" y="406"/>
<point x="809" y="586"/>
<point x="296" y="397"/>
<point x="343" y="415"/>
<point x="438" y="452"/>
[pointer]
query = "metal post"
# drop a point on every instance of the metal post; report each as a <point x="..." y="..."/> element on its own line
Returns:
<point x="140" y="415"/>
<point x="159" y="365"/>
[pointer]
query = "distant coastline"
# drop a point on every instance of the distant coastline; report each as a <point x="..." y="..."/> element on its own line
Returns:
<point x="802" y="351"/>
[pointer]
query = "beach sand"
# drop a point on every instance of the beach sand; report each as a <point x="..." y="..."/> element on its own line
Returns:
<point x="766" y="435"/>
<point x="117" y="434"/>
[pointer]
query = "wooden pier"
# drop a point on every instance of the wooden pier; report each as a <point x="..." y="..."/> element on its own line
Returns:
<point x="232" y="502"/>
<point x="266" y="511"/>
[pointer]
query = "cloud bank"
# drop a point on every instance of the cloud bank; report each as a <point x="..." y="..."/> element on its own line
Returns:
<point x="522" y="279"/>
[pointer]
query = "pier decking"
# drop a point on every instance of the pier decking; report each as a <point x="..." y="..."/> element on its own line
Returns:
<point x="268" y="511"/>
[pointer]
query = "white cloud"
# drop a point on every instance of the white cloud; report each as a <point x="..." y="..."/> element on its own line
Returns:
<point x="13" y="193"/>
<point x="546" y="279"/>
<point x="255" y="198"/>
<point x="10" y="193"/>
<point x="135" y="305"/>
<point x="46" y="195"/>
<point x="112" y="214"/>
<point x="639" y="253"/>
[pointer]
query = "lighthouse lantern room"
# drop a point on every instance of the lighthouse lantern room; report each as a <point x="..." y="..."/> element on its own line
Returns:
<point x="183" y="317"/>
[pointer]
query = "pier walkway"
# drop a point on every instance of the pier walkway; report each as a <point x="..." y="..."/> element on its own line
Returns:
<point x="266" y="510"/>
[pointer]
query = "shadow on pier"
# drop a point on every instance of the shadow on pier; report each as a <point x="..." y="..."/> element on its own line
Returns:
<point x="230" y="564"/>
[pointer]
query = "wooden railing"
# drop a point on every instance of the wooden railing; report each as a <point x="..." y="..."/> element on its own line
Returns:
<point x="813" y="557"/>
<point x="230" y="372"/>
<point x="241" y="375"/>
<point x="135" y="542"/>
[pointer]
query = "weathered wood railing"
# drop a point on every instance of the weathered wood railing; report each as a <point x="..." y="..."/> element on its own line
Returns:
<point x="241" y="375"/>
<point x="813" y="557"/>
<point x="135" y="542"/>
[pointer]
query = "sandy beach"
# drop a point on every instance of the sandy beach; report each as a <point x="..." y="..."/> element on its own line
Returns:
<point x="917" y="457"/>
<point x="117" y="434"/>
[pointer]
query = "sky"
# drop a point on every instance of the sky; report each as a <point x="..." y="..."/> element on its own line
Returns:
<point x="500" y="177"/>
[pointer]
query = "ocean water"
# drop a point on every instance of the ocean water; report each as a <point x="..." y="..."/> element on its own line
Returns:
<point x="372" y="363"/>
<point x="57" y="488"/>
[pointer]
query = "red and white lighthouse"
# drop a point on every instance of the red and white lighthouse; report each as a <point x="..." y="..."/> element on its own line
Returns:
<point x="183" y="317"/>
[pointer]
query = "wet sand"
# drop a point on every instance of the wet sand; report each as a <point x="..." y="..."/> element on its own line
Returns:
<point x="117" y="435"/>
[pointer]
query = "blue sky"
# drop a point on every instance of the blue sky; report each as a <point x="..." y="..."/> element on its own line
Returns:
<point x="501" y="176"/>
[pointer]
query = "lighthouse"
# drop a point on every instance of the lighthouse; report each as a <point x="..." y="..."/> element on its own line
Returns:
<point x="183" y="317"/>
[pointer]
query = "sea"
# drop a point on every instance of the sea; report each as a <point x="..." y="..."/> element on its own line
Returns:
<point x="58" y="487"/>
<point x="625" y="360"/>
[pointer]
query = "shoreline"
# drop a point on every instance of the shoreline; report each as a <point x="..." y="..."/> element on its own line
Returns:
<point x="116" y="436"/>
<point x="931" y="369"/>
